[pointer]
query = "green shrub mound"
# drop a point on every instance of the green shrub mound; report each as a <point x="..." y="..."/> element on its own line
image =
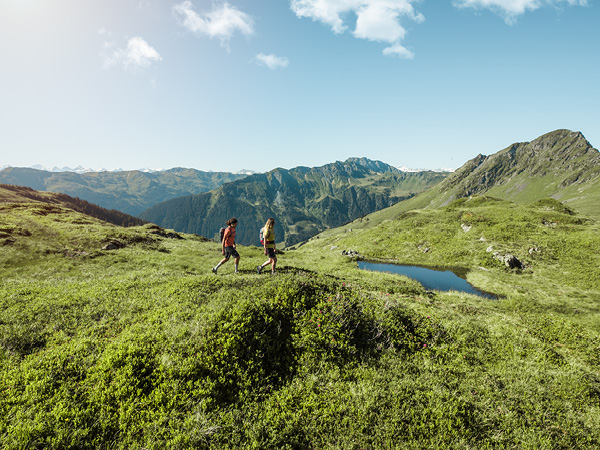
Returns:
<point x="297" y="361"/>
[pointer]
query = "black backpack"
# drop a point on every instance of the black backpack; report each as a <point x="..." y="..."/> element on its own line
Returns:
<point x="221" y="234"/>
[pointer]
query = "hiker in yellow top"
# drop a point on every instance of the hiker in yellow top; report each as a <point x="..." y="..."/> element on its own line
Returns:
<point x="228" y="246"/>
<point x="269" y="244"/>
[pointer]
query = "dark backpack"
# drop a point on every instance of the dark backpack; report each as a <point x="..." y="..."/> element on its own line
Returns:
<point x="222" y="233"/>
<point x="261" y="237"/>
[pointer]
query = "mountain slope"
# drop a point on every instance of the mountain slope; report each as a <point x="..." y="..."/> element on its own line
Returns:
<point x="22" y="194"/>
<point x="304" y="201"/>
<point x="558" y="164"/>
<point x="129" y="191"/>
<point x="561" y="164"/>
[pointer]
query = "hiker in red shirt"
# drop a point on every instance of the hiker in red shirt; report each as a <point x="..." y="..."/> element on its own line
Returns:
<point x="228" y="245"/>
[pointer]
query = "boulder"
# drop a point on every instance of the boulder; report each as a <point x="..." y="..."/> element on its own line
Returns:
<point x="510" y="261"/>
<point x="351" y="254"/>
<point x="113" y="245"/>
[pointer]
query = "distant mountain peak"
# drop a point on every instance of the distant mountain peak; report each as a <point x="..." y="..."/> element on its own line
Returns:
<point x="245" y="172"/>
<point x="78" y="169"/>
<point x="440" y="170"/>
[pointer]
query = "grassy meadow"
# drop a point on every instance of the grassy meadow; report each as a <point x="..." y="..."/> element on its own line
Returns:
<point x="142" y="347"/>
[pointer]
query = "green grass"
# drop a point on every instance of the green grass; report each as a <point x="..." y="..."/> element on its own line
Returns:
<point x="143" y="347"/>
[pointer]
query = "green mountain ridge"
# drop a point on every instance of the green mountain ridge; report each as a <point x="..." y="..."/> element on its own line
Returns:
<point x="527" y="171"/>
<point x="303" y="200"/>
<point x="128" y="191"/>
<point x="561" y="165"/>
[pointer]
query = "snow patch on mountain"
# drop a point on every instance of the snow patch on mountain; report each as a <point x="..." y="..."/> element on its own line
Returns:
<point x="441" y="170"/>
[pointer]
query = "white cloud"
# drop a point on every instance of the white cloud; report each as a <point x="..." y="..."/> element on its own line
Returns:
<point x="222" y="22"/>
<point x="376" y="20"/>
<point x="511" y="9"/>
<point x="137" y="55"/>
<point x="271" y="61"/>
<point x="398" y="50"/>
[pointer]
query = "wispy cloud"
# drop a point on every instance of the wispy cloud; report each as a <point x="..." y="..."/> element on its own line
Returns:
<point x="221" y="23"/>
<point x="376" y="20"/>
<point x="138" y="54"/>
<point x="271" y="61"/>
<point x="511" y="9"/>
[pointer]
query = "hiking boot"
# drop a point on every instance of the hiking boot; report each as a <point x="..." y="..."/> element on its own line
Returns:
<point x="236" y="271"/>
<point x="258" y="269"/>
<point x="214" y="270"/>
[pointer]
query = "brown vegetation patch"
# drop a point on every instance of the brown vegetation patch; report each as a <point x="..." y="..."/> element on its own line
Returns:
<point x="44" y="210"/>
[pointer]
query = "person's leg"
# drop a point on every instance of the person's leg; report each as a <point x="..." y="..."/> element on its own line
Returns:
<point x="263" y="265"/>
<point x="273" y="264"/>
<point x="223" y="261"/>
<point x="237" y="262"/>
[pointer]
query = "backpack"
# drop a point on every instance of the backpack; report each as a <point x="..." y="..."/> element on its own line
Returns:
<point x="261" y="237"/>
<point x="221" y="234"/>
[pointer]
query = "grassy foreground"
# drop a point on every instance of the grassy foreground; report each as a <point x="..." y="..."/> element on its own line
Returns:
<point x="142" y="347"/>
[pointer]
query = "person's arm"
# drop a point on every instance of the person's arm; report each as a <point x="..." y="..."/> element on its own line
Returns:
<point x="265" y="242"/>
<point x="225" y="236"/>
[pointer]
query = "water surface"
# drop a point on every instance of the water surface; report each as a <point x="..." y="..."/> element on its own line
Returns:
<point x="433" y="279"/>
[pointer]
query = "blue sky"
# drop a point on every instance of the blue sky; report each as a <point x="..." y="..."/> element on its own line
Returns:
<point x="259" y="84"/>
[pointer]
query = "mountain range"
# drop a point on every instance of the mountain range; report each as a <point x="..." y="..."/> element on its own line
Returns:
<point x="130" y="192"/>
<point x="304" y="201"/>
<point x="81" y="169"/>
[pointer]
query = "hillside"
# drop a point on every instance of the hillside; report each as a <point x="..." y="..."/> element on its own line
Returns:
<point x="562" y="165"/>
<point x="303" y="200"/>
<point x="22" y="194"/>
<point x="129" y="191"/>
<point x="472" y="233"/>
<point x="143" y="347"/>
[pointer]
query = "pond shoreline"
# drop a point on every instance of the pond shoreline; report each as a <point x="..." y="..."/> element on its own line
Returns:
<point x="433" y="278"/>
